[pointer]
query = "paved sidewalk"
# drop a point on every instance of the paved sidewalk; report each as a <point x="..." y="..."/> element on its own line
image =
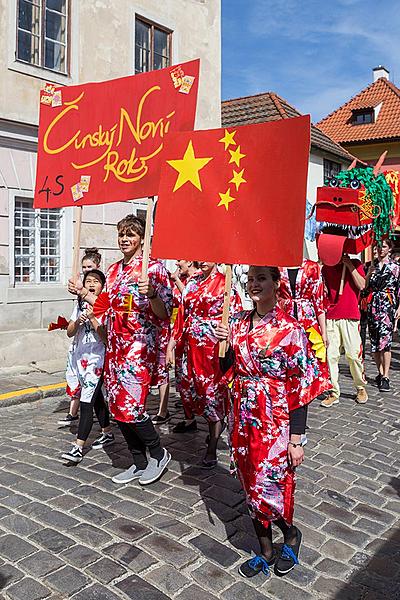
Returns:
<point x="27" y="383"/>
<point x="69" y="532"/>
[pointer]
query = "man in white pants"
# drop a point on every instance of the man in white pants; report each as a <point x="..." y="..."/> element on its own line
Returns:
<point x="343" y="326"/>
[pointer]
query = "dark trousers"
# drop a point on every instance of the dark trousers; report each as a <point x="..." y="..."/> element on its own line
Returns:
<point x="139" y="436"/>
<point x="86" y="413"/>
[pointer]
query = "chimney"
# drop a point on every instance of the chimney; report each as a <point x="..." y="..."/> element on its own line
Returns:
<point x="380" y="71"/>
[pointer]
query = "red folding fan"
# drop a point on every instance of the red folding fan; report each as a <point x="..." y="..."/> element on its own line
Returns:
<point x="102" y="305"/>
<point x="61" y="323"/>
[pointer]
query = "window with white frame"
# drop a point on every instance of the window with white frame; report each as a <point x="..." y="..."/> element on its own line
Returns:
<point x="152" y="46"/>
<point x="42" y="33"/>
<point x="37" y="232"/>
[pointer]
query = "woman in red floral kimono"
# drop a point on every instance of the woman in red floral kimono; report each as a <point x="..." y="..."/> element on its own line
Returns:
<point x="178" y="279"/>
<point x="302" y="295"/>
<point x="275" y="376"/>
<point x="203" y="389"/>
<point x="137" y="319"/>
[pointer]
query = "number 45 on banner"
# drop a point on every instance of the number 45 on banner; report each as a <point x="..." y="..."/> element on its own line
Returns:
<point x="56" y="189"/>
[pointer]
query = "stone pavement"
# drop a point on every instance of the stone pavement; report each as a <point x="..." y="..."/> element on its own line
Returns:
<point x="69" y="532"/>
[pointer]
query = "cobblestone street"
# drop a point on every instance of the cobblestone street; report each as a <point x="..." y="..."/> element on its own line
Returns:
<point x="69" y="532"/>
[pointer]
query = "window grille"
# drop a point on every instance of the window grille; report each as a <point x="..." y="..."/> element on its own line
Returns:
<point x="36" y="243"/>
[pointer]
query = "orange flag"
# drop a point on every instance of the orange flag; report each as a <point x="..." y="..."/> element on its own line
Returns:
<point x="235" y="195"/>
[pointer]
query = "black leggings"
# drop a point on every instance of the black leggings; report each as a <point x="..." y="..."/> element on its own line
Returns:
<point x="139" y="436"/>
<point x="86" y="409"/>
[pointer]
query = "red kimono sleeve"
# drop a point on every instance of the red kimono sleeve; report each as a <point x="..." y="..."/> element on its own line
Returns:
<point x="305" y="380"/>
<point x="319" y="292"/>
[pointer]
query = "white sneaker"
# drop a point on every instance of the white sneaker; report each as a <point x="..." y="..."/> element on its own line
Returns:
<point x="129" y="475"/>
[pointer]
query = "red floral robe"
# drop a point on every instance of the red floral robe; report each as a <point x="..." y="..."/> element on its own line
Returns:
<point x="180" y="359"/>
<point x="202" y="386"/>
<point x="274" y="373"/>
<point x="134" y="337"/>
<point x="310" y="299"/>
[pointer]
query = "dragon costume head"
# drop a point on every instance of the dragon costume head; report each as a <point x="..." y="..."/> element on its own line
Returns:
<point x="357" y="208"/>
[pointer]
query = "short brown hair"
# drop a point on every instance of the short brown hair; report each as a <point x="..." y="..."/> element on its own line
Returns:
<point x="131" y="223"/>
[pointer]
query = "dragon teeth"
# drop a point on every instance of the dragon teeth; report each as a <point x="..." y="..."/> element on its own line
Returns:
<point x="350" y="231"/>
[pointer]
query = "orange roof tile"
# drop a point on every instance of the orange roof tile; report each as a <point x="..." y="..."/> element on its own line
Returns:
<point x="268" y="106"/>
<point x="338" y="124"/>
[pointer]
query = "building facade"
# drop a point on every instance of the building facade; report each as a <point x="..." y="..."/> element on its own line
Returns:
<point x="68" y="42"/>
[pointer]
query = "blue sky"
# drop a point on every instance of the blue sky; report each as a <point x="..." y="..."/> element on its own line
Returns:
<point x="315" y="54"/>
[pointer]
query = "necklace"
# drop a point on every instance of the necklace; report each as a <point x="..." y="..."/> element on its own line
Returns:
<point x="258" y="314"/>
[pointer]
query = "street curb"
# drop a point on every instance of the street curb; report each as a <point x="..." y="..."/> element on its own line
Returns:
<point x="32" y="394"/>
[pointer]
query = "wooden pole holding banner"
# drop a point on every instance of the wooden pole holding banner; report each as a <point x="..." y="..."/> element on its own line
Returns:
<point x="223" y="346"/>
<point x="343" y="277"/>
<point x="77" y="241"/>
<point x="147" y="236"/>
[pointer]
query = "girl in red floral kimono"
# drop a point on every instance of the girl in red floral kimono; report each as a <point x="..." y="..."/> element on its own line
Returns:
<point x="275" y="376"/>
<point x="203" y="389"/>
<point x="133" y="338"/>
<point x="302" y="295"/>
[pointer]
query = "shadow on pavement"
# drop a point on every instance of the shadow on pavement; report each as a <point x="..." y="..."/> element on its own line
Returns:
<point x="224" y="504"/>
<point x="377" y="578"/>
<point x="3" y="580"/>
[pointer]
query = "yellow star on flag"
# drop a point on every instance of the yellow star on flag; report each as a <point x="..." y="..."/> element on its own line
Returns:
<point x="236" y="156"/>
<point x="226" y="199"/>
<point x="237" y="178"/>
<point x="188" y="168"/>
<point x="228" y="139"/>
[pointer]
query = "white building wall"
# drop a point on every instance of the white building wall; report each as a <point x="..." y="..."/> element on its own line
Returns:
<point x="102" y="47"/>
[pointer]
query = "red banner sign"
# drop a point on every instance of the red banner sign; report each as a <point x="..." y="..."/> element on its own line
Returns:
<point x="103" y="142"/>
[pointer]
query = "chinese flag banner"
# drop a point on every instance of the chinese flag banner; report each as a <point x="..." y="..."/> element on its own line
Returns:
<point x="103" y="142"/>
<point x="235" y="195"/>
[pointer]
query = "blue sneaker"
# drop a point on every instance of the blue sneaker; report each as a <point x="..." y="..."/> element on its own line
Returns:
<point x="289" y="556"/>
<point x="255" y="565"/>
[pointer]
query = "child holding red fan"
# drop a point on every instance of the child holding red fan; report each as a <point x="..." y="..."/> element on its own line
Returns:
<point x="90" y="260"/>
<point x="85" y="368"/>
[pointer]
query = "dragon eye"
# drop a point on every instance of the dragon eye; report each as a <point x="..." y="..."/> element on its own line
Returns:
<point x="355" y="184"/>
<point x="333" y="182"/>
